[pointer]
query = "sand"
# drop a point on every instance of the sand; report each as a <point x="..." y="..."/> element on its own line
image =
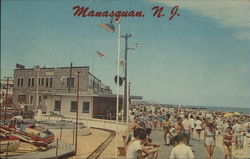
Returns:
<point x="87" y="144"/>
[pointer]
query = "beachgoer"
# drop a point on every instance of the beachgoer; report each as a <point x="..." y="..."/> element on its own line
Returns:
<point x="160" y="119"/>
<point x="166" y="127"/>
<point x="178" y="129"/>
<point x="236" y="131"/>
<point x="224" y="127"/>
<point x="191" y="120"/>
<point x="129" y="132"/>
<point x="134" y="147"/>
<point x="187" y="127"/>
<point x="181" y="151"/>
<point x="198" y="127"/>
<point x="209" y="139"/>
<point x="248" y="139"/>
<point x="155" y="122"/>
<point x="150" y="148"/>
<point x="227" y="142"/>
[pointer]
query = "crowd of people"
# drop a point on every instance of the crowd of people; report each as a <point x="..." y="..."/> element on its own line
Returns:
<point x="179" y="126"/>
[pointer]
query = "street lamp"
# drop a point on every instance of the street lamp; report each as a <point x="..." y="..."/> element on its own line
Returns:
<point x="111" y="28"/>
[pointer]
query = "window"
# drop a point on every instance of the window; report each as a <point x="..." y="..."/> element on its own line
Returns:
<point x="21" y="81"/>
<point x="31" y="99"/>
<point x="49" y="82"/>
<point x="57" y="105"/>
<point x="42" y="82"/>
<point x="73" y="106"/>
<point x="31" y="82"/>
<point x="70" y="82"/>
<point x="40" y="100"/>
<point x="18" y="82"/>
<point x="85" y="107"/>
<point x="22" y="99"/>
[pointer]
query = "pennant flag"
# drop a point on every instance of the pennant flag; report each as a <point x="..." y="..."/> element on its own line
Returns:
<point x="100" y="54"/>
<point x="138" y="45"/>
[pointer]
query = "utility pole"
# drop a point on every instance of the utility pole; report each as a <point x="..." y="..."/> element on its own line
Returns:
<point x="125" y="104"/>
<point x="77" y="106"/>
<point x="70" y="77"/>
<point x="6" y="98"/>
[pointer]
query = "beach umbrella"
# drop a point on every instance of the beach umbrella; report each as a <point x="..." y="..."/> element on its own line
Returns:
<point x="236" y="113"/>
<point x="228" y="115"/>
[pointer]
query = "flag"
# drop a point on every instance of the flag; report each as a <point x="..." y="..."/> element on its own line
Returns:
<point x="19" y="66"/>
<point x="100" y="54"/>
<point x="138" y="45"/>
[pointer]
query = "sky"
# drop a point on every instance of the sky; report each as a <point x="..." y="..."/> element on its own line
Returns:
<point x="198" y="58"/>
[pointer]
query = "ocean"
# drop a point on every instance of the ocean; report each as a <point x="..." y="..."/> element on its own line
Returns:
<point x="227" y="109"/>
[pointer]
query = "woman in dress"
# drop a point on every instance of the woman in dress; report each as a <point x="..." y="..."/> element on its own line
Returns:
<point x="209" y="139"/>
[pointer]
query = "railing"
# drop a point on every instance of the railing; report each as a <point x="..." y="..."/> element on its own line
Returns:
<point x="92" y="122"/>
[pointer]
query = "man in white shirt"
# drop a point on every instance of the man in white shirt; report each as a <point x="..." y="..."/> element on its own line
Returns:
<point x="191" y="120"/>
<point x="182" y="151"/>
<point x="198" y="127"/>
<point x="187" y="127"/>
<point x="237" y="130"/>
<point x="134" y="147"/>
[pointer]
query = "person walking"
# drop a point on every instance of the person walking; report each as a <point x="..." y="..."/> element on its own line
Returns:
<point x="187" y="128"/>
<point x="166" y="127"/>
<point x="198" y="127"/>
<point x="227" y="143"/>
<point x="209" y="139"/>
<point x="236" y="131"/>
<point x="178" y="128"/>
<point x="191" y="120"/>
<point x="181" y="151"/>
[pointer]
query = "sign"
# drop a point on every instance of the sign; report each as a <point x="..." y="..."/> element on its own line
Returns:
<point x="49" y="73"/>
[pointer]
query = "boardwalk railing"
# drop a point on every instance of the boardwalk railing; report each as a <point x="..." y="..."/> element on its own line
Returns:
<point x="91" y="122"/>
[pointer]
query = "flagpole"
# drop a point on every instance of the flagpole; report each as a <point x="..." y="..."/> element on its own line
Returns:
<point x="117" y="85"/>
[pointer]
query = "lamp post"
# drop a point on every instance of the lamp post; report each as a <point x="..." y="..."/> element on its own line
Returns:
<point x="111" y="28"/>
<point x="125" y="99"/>
<point x="6" y="98"/>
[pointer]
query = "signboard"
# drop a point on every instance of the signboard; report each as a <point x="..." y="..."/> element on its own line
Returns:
<point x="49" y="73"/>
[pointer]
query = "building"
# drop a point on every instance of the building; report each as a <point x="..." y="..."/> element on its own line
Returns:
<point x="4" y="84"/>
<point x="54" y="90"/>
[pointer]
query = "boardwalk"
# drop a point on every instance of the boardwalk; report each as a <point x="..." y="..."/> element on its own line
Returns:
<point x="197" y="147"/>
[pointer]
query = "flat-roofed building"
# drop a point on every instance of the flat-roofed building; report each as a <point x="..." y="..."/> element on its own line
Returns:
<point x="54" y="90"/>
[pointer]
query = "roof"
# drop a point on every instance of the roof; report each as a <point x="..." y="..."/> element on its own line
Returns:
<point x="92" y="95"/>
<point x="53" y="68"/>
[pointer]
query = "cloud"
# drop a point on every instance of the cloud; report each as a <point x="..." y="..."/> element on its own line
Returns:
<point x="228" y="13"/>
